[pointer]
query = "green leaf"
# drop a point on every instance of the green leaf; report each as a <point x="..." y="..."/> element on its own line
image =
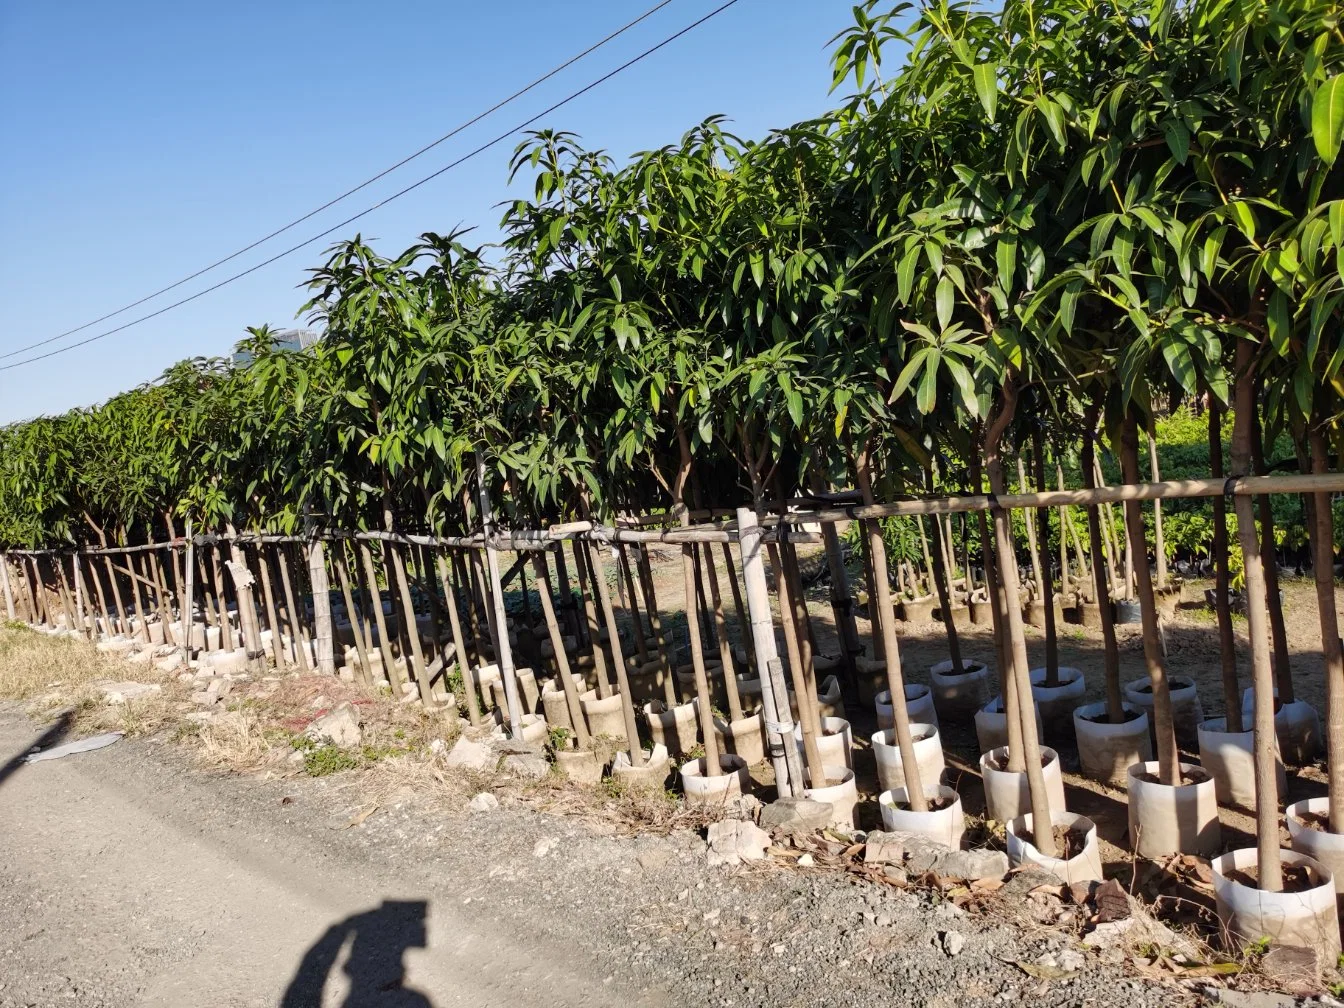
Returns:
<point x="1327" y="118"/>
<point x="944" y="297"/>
<point x="987" y="87"/>
<point x="1005" y="254"/>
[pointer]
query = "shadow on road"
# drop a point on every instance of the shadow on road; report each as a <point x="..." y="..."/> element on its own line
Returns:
<point x="44" y="741"/>
<point x="377" y="940"/>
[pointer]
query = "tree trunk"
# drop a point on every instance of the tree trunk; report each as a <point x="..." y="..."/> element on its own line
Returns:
<point x="645" y="569"/>
<point x="1064" y="524"/>
<point x="1047" y="580"/>
<point x="1033" y="548"/>
<point x="1101" y="577"/>
<point x="390" y="671"/>
<point x="1222" y="579"/>
<point x="268" y="599"/>
<point x="636" y="750"/>
<point x="464" y="665"/>
<point x="1283" y="676"/>
<point x="1323" y="571"/>
<point x="1006" y="560"/>
<point x="808" y="719"/>
<point x="725" y="645"/>
<point x="356" y="628"/>
<point x="743" y="623"/>
<point x="942" y="583"/>
<point x="880" y="600"/>
<point x="1257" y="620"/>
<point x="581" y="736"/>
<point x="625" y="575"/>
<point x="123" y="624"/>
<point x="998" y="609"/>
<point x="299" y="647"/>
<point x="1155" y="474"/>
<point x="1168" y="759"/>
<point x="582" y="559"/>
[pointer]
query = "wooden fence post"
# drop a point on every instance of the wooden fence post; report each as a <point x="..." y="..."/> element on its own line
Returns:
<point x="9" y="594"/>
<point x="503" y="653"/>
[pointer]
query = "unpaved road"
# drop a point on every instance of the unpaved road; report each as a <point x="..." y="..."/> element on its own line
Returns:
<point x="122" y="883"/>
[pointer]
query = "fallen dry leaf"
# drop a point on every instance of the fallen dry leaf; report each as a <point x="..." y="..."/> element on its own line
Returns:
<point x="359" y="818"/>
<point x="1041" y="971"/>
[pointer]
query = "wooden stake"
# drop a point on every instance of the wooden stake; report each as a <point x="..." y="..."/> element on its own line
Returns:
<point x="582" y="737"/>
<point x="1222" y="580"/>
<point x="1323" y="571"/>
<point x="1101" y="578"/>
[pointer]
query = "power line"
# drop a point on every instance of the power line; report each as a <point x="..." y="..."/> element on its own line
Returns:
<point x="350" y="192"/>
<point x="396" y="195"/>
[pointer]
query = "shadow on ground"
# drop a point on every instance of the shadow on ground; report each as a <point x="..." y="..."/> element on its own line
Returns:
<point x="376" y="941"/>
<point x="46" y="740"/>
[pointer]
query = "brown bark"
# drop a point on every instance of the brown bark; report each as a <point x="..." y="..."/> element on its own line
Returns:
<point x="1257" y="620"/>
<point x="1222" y="580"/>
<point x="1115" y="709"/>
<point x="1168" y="759"/>
<point x="1283" y="676"/>
<point x="1047" y="581"/>
<point x="1323" y="571"/>
<point x="460" y="644"/>
<point x="581" y="735"/>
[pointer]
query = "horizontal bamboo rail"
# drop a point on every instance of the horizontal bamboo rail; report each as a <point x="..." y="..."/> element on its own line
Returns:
<point x="549" y="538"/>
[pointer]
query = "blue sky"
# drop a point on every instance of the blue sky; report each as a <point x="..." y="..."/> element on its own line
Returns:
<point x="143" y="140"/>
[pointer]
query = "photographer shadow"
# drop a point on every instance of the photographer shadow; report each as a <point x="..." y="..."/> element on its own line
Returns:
<point x="377" y="941"/>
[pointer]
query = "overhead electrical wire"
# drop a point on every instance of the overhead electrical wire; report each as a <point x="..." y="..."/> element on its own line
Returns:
<point x="350" y="192"/>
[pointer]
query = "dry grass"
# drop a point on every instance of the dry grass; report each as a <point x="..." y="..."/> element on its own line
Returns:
<point x="33" y="664"/>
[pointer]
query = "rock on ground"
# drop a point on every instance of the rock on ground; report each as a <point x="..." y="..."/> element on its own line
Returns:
<point x="116" y="693"/>
<point x="340" y="727"/>
<point x="732" y="841"/>
<point x="469" y="754"/>
<point x="483" y="802"/>
<point x="795" y="816"/>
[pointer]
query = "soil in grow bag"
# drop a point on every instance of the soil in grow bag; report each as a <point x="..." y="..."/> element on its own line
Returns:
<point x="1069" y="841"/>
<point x="1296" y="878"/>
<point x="1197" y="777"/>
<point x="934" y="804"/>
<point x="1001" y="764"/>
<point x="1102" y="717"/>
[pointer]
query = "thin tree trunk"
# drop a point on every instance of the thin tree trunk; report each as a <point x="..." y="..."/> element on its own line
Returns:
<point x="690" y="570"/>
<point x="390" y="670"/>
<point x="998" y="608"/>
<point x="842" y="603"/>
<point x="347" y="596"/>
<point x="942" y="584"/>
<point x="225" y="619"/>
<point x="123" y="624"/>
<point x="582" y="737"/>
<point x="297" y="643"/>
<point x="645" y="569"/>
<point x="1257" y="620"/>
<point x="725" y="645"/>
<point x="1222" y="580"/>
<point x="1064" y="523"/>
<point x="1047" y="582"/>
<point x="1160" y="546"/>
<point x="268" y="599"/>
<point x="1323" y="572"/>
<point x="1283" y="676"/>
<point x="880" y="598"/>
<point x="582" y="560"/>
<point x="1101" y="577"/>
<point x="1007" y="571"/>
<point x="469" y="686"/>
<point x="808" y="720"/>
<point x="625" y="575"/>
<point x="636" y="750"/>
<point x="1029" y="520"/>
<point x="1168" y="759"/>
<point x="743" y="624"/>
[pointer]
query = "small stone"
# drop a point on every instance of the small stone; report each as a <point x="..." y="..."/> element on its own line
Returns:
<point x="1106" y="935"/>
<point x="484" y="802"/>
<point x="732" y="841"/>
<point x="1071" y="960"/>
<point x="469" y="754"/>
<point x="896" y="873"/>
<point x="544" y="846"/>
<point x="884" y="920"/>
<point x="806" y="861"/>
<point x="117" y="693"/>
<point x="883" y="848"/>
<point x="526" y="766"/>
<point x="973" y="864"/>
<point x="953" y="942"/>
<point x="795" y="816"/>
<point x="340" y="727"/>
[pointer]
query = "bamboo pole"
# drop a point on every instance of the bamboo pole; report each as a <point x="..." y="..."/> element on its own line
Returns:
<point x="10" y="612"/>
<point x="187" y="609"/>
<point x="123" y="622"/>
<point x="268" y="598"/>
<point x="418" y="669"/>
<point x="774" y="693"/>
<point x="100" y="595"/>
<point x="1029" y="520"/>
<point x="943" y="586"/>
<point x="807" y="715"/>
<point x="743" y="623"/>
<point x="243" y="582"/>
<point x="39" y="592"/>
<point x="1064" y="525"/>
<point x="1047" y="581"/>
<point x="222" y="603"/>
<point x="624" y="576"/>
<point x="320" y="588"/>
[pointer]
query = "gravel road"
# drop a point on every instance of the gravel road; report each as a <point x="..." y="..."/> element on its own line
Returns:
<point x="130" y="877"/>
